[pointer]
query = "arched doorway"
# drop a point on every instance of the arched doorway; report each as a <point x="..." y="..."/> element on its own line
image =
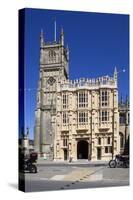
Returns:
<point x="82" y="149"/>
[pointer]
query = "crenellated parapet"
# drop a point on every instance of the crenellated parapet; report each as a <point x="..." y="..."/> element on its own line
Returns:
<point x="87" y="83"/>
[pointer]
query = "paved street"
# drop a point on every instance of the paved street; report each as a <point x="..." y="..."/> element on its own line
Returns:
<point x="60" y="176"/>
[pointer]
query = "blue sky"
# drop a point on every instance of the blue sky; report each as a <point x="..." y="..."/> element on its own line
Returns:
<point x="97" y="43"/>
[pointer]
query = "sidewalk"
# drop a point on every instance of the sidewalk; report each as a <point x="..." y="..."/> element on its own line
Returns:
<point x="78" y="162"/>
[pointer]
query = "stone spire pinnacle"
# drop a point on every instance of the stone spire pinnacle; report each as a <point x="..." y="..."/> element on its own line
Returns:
<point x="62" y="37"/>
<point x="67" y="52"/>
<point x="115" y="74"/>
<point x="127" y="100"/>
<point x="62" y="31"/>
<point x="121" y="100"/>
<point x="41" y="39"/>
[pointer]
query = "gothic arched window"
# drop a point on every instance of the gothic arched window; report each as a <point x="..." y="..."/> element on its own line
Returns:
<point x="52" y="56"/>
<point x="121" y="140"/>
<point x="99" y="141"/>
<point x="122" y="118"/>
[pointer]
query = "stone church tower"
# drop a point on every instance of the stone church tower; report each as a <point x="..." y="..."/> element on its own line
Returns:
<point x="53" y="69"/>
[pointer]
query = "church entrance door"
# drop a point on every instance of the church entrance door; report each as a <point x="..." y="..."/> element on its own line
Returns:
<point x="65" y="154"/>
<point x="82" y="149"/>
<point x="99" y="153"/>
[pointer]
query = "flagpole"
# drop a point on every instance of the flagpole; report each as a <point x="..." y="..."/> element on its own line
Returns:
<point x="55" y="30"/>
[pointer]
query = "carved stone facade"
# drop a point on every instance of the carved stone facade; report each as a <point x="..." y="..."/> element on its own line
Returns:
<point x="77" y="118"/>
<point x="124" y="115"/>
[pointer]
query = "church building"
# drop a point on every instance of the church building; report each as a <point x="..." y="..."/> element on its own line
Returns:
<point x="77" y="118"/>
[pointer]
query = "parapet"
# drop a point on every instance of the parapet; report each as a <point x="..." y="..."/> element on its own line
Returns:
<point x="104" y="81"/>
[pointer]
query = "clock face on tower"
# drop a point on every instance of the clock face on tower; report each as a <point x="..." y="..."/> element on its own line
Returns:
<point x="51" y="80"/>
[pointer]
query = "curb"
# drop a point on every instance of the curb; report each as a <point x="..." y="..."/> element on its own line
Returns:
<point x="71" y="164"/>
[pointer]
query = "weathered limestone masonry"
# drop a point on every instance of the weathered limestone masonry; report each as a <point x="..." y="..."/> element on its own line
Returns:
<point x="76" y="118"/>
<point x="124" y="112"/>
<point x="53" y="69"/>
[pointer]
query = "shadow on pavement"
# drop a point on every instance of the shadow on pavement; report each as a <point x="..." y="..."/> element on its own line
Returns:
<point x="13" y="185"/>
